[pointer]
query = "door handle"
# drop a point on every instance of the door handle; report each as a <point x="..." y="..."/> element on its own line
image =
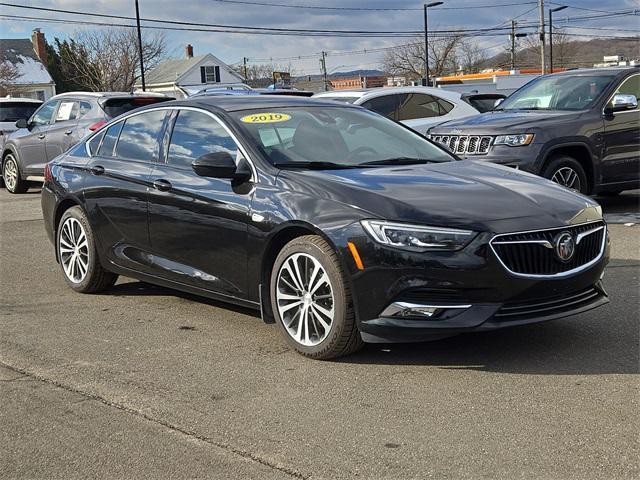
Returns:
<point x="162" y="185"/>
<point x="68" y="132"/>
<point x="97" y="169"/>
<point x="41" y="136"/>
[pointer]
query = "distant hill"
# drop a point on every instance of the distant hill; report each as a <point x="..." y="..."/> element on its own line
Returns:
<point x="351" y="73"/>
<point x="571" y="54"/>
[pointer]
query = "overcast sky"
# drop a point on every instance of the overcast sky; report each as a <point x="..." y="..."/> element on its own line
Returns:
<point x="231" y="48"/>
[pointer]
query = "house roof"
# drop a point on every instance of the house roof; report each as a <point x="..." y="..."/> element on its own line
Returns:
<point x="170" y="71"/>
<point x="19" y="53"/>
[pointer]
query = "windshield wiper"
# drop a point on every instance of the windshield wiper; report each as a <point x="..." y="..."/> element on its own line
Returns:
<point x="313" y="165"/>
<point x="398" y="161"/>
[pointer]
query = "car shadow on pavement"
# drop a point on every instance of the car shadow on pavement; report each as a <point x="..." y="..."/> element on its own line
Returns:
<point x="136" y="288"/>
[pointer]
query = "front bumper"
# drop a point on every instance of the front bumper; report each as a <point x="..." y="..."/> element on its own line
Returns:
<point x="480" y="291"/>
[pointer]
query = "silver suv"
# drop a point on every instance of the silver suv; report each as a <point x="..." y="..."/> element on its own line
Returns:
<point x="57" y="125"/>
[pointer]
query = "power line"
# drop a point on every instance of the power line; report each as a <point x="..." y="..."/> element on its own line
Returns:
<point x="365" y="9"/>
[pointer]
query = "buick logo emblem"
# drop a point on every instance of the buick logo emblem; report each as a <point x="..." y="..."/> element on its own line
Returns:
<point x="565" y="246"/>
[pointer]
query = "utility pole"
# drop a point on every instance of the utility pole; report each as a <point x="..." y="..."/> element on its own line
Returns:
<point x="513" y="36"/>
<point x="426" y="41"/>
<point x="323" y="64"/>
<point x="140" y="46"/>
<point x="551" y="12"/>
<point x="244" y="61"/>
<point x="542" y="39"/>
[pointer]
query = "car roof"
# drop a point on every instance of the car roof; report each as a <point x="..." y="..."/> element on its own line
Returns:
<point x="107" y="94"/>
<point x="380" y="91"/>
<point x="232" y="103"/>
<point x="19" y="100"/>
<point x="598" y="71"/>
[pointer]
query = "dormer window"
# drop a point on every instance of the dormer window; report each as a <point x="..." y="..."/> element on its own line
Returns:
<point x="210" y="74"/>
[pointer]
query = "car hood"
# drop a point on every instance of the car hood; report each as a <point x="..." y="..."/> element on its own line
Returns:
<point x="464" y="194"/>
<point x="500" y="121"/>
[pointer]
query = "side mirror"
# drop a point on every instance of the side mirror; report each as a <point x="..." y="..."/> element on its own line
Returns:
<point x="22" y="123"/>
<point x="218" y="165"/>
<point x="621" y="102"/>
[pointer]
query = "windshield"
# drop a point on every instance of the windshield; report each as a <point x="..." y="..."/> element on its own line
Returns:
<point x="14" y="111"/>
<point x="558" y="93"/>
<point x="334" y="137"/>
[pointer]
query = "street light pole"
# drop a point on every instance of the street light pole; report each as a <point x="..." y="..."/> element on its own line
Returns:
<point x="140" y="46"/>
<point x="551" y="35"/>
<point x="426" y="40"/>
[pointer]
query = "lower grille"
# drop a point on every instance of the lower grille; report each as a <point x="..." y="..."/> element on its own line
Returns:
<point x="464" y="144"/>
<point x="537" y="253"/>
<point x="550" y="306"/>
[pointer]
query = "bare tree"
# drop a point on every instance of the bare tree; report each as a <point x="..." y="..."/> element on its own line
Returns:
<point x="109" y="60"/>
<point x="263" y="71"/>
<point x="8" y="73"/>
<point x="564" y="49"/>
<point x="408" y="60"/>
<point x="471" y="57"/>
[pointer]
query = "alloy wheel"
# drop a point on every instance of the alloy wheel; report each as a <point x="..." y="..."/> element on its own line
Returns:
<point x="74" y="250"/>
<point x="10" y="173"/>
<point x="305" y="299"/>
<point x="567" y="177"/>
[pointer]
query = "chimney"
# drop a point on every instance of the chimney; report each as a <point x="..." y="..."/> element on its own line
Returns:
<point x="39" y="45"/>
<point x="188" y="50"/>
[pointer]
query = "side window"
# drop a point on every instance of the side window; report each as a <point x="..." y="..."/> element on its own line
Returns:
<point x="445" y="107"/>
<point x="84" y="109"/>
<point x="386" y="105"/>
<point x="109" y="141"/>
<point x="67" y="111"/>
<point x="94" y="143"/>
<point x="418" y="105"/>
<point x="139" y="137"/>
<point x="631" y="86"/>
<point x="44" y="115"/>
<point x="195" y="134"/>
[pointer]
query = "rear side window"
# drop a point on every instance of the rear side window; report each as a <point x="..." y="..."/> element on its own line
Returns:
<point x="14" y="111"/>
<point x="418" y="105"/>
<point x="386" y="105"/>
<point x="117" y="106"/>
<point x="109" y="141"/>
<point x="139" y="137"/>
<point x="196" y="134"/>
<point x="94" y="143"/>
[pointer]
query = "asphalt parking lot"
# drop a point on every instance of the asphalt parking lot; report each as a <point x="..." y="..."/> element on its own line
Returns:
<point x="145" y="382"/>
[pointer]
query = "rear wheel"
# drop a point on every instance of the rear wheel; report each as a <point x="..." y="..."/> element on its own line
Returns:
<point x="568" y="172"/>
<point x="78" y="256"/>
<point x="311" y="300"/>
<point x="11" y="175"/>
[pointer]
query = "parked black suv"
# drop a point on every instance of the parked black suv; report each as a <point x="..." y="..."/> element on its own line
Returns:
<point x="579" y="128"/>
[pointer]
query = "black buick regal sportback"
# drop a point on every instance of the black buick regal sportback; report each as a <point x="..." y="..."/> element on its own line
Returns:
<point x="339" y="225"/>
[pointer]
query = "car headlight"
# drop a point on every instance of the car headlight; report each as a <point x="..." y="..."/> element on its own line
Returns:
<point x="417" y="238"/>
<point x="517" y="140"/>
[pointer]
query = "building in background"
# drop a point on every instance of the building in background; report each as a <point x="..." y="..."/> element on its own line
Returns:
<point x="26" y="59"/>
<point x="350" y="83"/>
<point x="182" y="77"/>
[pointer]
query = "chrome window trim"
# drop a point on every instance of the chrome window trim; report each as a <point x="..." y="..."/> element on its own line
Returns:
<point x="568" y="273"/>
<point x="254" y="172"/>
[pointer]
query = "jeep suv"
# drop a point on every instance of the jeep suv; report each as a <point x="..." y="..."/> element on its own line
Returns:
<point x="57" y="125"/>
<point x="579" y="128"/>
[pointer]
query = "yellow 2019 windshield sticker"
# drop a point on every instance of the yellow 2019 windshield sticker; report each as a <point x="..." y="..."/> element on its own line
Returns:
<point x="266" y="117"/>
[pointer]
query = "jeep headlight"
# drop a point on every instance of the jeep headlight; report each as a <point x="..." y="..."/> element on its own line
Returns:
<point x="517" y="140"/>
<point x="417" y="238"/>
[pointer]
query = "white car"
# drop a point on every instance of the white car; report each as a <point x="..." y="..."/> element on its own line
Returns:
<point x="419" y="108"/>
<point x="13" y="109"/>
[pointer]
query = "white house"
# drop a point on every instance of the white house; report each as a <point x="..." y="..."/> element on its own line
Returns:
<point x="181" y="77"/>
<point x="29" y="58"/>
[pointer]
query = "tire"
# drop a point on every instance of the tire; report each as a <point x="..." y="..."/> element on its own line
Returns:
<point x="315" y="298"/>
<point x="568" y="172"/>
<point x="80" y="266"/>
<point x="11" y="175"/>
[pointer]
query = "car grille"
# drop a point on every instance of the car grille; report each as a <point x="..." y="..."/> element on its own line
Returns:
<point x="465" y="144"/>
<point x="515" y="311"/>
<point x="534" y="253"/>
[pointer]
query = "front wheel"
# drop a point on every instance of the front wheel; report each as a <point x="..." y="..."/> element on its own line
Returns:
<point x="568" y="172"/>
<point x="312" y="301"/>
<point x="11" y="175"/>
<point x="78" y="256"/>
